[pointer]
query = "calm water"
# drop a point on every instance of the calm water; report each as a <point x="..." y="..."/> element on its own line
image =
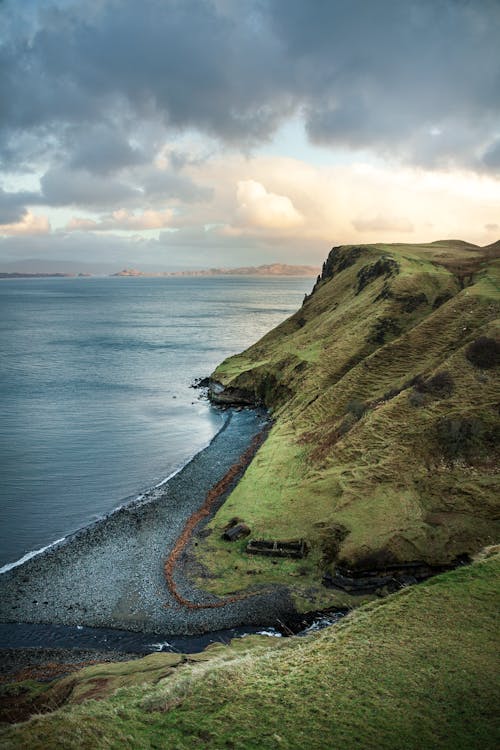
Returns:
<point x="95" y="403"/>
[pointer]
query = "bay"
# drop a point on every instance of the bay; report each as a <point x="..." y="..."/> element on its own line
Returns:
<point x="95" y="397"/>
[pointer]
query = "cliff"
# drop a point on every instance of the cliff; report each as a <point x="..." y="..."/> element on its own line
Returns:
<point x="384" y="453"/>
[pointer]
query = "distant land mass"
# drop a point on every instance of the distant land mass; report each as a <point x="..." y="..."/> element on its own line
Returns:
<point x="271" y="269"/>
<point x="53" y="266"/>
<point x="23" y="275"/>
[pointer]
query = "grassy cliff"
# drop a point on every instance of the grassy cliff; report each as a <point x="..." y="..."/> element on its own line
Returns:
<point x="415" y="670"/>
<point x="384" y="392"/>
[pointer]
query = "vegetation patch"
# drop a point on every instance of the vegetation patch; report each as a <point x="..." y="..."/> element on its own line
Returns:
<point x="484" y="352"/>
<point x="440" y="385"/>
<point x="416" y="669"/>
<point x="383" y="329"/>
<point x="460" y="437"/>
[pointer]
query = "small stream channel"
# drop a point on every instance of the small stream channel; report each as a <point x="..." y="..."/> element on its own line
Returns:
<point x="49" y="636"/>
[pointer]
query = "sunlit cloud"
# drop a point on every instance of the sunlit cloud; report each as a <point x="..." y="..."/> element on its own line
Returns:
<point x="28" y="225"/>
<point x="348" y="202"/>
<point x="123" y="220"/>
<point x="259" y="208"/>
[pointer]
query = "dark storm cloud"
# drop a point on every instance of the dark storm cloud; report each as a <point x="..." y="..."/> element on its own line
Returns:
<point x="419" y="79"/>
<point x="164" y="184"/>
<point x="399" y="75"/>
<point x="64" y="187"/>
<point x="103" y="150"/>
<point x="179" y="59"/>
<point x="13" y="205"/>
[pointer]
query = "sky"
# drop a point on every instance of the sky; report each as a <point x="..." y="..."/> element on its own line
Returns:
<point x="177" y="134"/>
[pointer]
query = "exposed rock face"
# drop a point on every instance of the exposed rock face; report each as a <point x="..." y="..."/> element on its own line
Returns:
<point x="384" y="266"/>
<point x="386" y="579"/>
<point x="227" y="396"/>
<point x="339" y="258"/>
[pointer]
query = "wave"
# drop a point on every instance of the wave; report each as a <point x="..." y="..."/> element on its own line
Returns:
<point x="29" y="555"/>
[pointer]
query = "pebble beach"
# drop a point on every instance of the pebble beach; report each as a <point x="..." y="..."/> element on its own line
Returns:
<point x="110" y="574"/>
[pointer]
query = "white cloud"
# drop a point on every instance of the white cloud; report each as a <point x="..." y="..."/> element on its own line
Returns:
<point x="259" y="208"/>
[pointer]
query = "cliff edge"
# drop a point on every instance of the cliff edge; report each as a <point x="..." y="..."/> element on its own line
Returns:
<point x="384" y="452"/>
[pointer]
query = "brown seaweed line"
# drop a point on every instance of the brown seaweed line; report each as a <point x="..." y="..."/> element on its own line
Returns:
<point x="212" y="496"/>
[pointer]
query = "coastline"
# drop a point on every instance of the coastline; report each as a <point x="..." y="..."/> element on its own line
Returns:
<point x="110" y="574"/>
<point x="133" y="501"/>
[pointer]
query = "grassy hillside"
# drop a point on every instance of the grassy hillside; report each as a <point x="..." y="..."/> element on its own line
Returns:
<point x="384" y="445"/>
<point x="415" y="670"/>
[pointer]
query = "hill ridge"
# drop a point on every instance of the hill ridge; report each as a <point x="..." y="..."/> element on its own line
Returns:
<point x="384" y="428"/>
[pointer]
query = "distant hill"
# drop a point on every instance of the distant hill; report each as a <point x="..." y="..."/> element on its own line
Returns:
<point x="271" y="269"/>
<point x="53" y="267"/>
<point x="21" y="275"/>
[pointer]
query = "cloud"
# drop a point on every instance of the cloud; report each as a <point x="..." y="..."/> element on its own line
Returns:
<point x="261" y="209"/>
<point x="166" y="184"/>
<point x="62" y="186"/>
<point x="491" y="157"/>
<point x="331" y="199"/>
<point x="186" y="62"/>
<point x="122" y="219"/>
<point x="415" y="80"/>
<point x="28" y="225"/>
<point x="390" y="76"/>
<point x="381" y="223"/>
<point x="103" y="149"/>
<point x="492" y="227"/>
<point x="13" y="205"/>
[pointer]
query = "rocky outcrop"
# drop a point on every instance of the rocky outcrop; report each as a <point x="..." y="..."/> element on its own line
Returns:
<point x="229" y="396"/>
<point x="384" y="266"/>
<point x="339" y="258"/>
<point x="388" y="579"/>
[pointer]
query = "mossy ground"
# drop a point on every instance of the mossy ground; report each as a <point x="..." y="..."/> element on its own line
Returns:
<point x="416" y="670"/>
<point x="353" y="445"/>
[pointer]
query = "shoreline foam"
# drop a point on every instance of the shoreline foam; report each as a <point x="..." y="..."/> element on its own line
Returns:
<point x="135" y="500"/>
<point x="110" y="573"/>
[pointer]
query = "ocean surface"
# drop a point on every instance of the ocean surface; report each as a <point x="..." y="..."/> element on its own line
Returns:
<point x="95" y="398"/>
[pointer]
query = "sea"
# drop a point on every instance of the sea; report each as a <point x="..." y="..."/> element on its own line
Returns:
<point x="96" y="397"/>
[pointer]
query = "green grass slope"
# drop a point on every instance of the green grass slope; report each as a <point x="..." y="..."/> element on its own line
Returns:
<point x="418" y="669"/>
<point x="384" y="448"/>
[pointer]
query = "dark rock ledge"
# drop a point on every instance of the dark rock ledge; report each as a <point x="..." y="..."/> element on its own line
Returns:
<point x="389" y="579"/>
<point x="228" y="396"/>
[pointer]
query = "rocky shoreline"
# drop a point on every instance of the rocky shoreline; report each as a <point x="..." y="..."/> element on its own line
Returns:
<point x="110" y="574"/>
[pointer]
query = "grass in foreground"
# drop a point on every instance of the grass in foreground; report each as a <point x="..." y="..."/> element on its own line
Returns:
<point x="416" y="670"/>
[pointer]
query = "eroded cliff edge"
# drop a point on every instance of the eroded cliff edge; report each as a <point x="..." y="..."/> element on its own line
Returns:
<point x="384" y="451"/>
